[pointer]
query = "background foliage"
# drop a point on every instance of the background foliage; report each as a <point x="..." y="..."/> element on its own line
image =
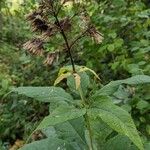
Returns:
<point x="124" y="52"/>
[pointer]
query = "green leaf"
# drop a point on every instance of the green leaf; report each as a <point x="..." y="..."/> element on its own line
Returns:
<point x="111" y="47"/>
<point x="118" y="3"/>
<point x="142" y="105"/>
<point x="101" y="130"/>
<point x="147" y="146"/>
<point x="69" y="131"/>
<point x="60" y="115"/>
<point x="47" y="144"/>
<point x="117" y="118"/>
<point x="83" y="68"/>
<point x="67" y="69"/>
<point x="73" y="131"/>
<point x="119" y="142"/>
<point x="111" y="87"/>
<point x="44" y="94"/>
<point x="84" y="82"/>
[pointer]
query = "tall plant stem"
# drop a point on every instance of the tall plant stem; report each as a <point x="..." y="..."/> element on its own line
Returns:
<point x="86" y="117"/>
<point x="65" y="39"/>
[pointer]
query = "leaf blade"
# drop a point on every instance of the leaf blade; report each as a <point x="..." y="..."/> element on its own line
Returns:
<point x="111" y="87"/>
<point x="60" y="115"/>
<point x="44" y="94"/>
<point x="117" y="118"/>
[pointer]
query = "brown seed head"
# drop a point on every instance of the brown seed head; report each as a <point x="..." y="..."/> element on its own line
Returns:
<point x="52" y="30"/>
<point x="95" y="34"/>
<point x="51" y="57"/>
<point x="34" y="46"/>
<point x="65" y="24"/>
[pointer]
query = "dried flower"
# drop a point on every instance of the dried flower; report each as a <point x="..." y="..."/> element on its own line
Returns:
<point x="51" y="57"/>
<point x="34" y="46"/>
<point x="37" y="21"/>
<point x="85" y="18"/>
<point x="40" y="21"/>
<point x="52" y="30"/>
<point x="65" y="24"/>
<point x="31" y="16"/>
<point x="39" y="25"/>
<point x="95" y="34"/>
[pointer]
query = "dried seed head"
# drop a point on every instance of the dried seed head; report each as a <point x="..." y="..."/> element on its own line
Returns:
<point x="32" y="15"/>
<point x="52" y="30"/>
<point x="39" y="25"/>
<point x="51" y="57"/>
<point x="65" y="24"/>
<point x="37" y="21"/>
<point x="95" y="34"/>
<point x="34" y="46"/>
<point x="85" y="18"/>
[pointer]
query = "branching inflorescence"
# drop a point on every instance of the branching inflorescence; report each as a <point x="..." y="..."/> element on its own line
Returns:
<point x="48" y="28"/>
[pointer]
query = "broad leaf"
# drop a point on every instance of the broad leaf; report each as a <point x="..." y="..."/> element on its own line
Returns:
<point x="73" y="131"/>
<point x="111" y="87"/>
<point x="47" y="144"/>
<point x="60" y="115"/>
<point x="100" y="130"/>
<point x="69" y="131"/>
<point x="44" y="94"/>
<point x="119" y="142"/>
<point x="117" y="118"/>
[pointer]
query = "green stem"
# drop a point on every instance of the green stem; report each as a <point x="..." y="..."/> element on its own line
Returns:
<point x="86" y="117"/>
